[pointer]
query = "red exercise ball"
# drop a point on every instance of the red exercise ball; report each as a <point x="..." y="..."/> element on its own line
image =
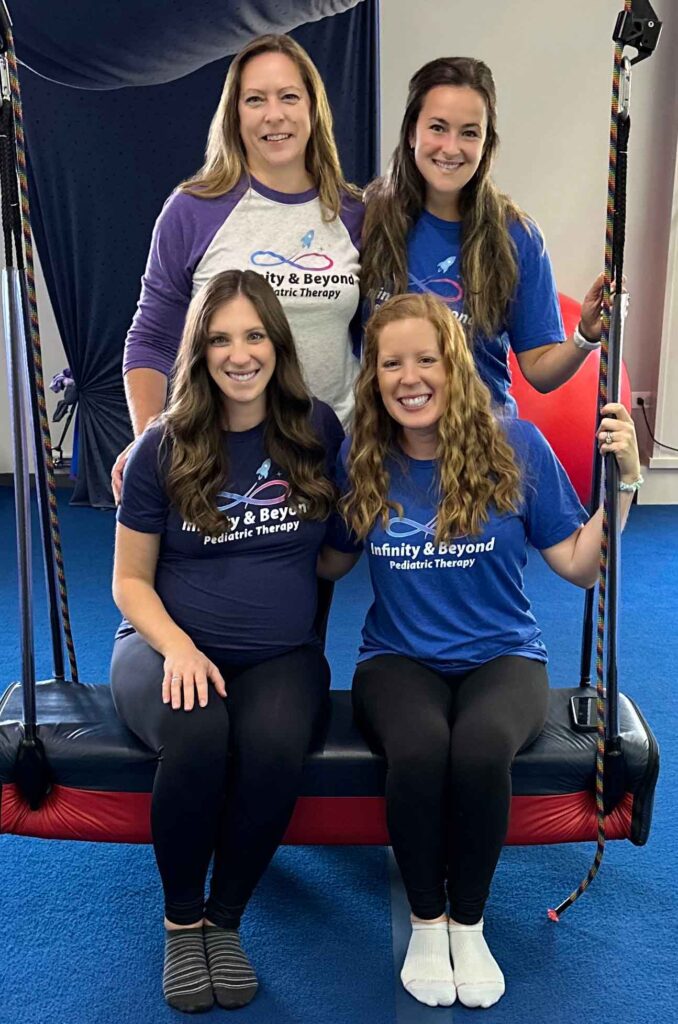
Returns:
<point x="567" y="416"/>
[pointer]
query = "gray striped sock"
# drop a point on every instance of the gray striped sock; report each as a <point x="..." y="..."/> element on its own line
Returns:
<point x="186" y="981"/>
<point x="233" y="979"/>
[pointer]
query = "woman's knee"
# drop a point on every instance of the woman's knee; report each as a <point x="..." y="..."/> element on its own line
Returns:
<point x="419" y="762"/>
<point x="269" y="749"/>
<point x="484" y="759"/>
<point x="197" y="738"/>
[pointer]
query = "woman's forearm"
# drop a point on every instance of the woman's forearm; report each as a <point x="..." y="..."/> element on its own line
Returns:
<point x="547" y="368"/>
<point x="146" y="392"/>
<point x="586" y="554"/>
<point x="140" y="604"/>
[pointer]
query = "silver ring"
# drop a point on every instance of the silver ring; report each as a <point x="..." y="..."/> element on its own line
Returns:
<point x="175" y="677"/>
<point x="608" y="438"/>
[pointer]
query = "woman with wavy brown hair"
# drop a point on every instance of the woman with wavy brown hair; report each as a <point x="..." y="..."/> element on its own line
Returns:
<point x="451" y="681"/>
<point x="436" y="222"/>
<point x="217" y="666"/>
<point x="270" y="197"/>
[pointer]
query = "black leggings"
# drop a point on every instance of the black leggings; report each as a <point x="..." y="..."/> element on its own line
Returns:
<point x="449" y="742"/>
<point x="206" y="803"/>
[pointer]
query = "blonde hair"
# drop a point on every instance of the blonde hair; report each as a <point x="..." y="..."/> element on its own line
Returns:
<point x="395" y="201"/>
<point x="225" y="158"/>
<point x="476" y="464"/>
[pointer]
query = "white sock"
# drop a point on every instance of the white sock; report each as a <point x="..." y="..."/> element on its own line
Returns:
<point x="427" y="971"/>
<point x="477" y="974"/>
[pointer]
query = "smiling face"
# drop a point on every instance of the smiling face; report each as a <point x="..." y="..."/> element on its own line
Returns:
<point x="274" y="109"/>
<point x="448" y="139"/>
<point x="240" y="359"/>
<point x="412" y="382"/>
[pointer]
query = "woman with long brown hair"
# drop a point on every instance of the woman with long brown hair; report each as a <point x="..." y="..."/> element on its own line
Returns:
<point x="451" y="681"/>
<point x="217" y="665"/>
<point x="436" y="222"/>
<point x="270" y="197"/>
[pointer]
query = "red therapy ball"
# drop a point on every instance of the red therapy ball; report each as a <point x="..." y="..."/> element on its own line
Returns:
<point x="567" y="416"/>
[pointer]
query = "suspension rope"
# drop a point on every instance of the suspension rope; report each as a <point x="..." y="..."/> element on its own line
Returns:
<point x="614" y="243"/>
<point x="36" y="346"/>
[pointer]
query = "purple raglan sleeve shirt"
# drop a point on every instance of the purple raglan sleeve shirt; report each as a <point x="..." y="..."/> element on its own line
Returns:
<point x="182" y="233"/>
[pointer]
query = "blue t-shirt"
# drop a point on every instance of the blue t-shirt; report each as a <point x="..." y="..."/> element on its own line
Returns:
<point x="458" y="605"/>
<point x="533" y="319"/>
<point x="250" y="592"/>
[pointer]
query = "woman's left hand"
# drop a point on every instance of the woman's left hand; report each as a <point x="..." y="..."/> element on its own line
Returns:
<point x="592" y="307"/>
<point x="619" y="436"/>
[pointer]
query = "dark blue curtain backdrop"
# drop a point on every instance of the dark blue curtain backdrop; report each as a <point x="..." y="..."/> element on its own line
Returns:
<point x="105" y="151"/>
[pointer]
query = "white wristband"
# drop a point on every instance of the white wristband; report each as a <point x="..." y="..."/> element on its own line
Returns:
<point x="632" y="486"/>
<point x="582" y="342"/>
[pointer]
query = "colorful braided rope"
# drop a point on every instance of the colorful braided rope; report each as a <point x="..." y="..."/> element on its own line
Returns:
<point x="604" y="546"/>
<point x="37" y="353"/>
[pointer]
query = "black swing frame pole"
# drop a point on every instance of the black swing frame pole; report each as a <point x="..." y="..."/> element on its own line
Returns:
<point x="14" y="322"/>
<point x="638" y="28"/>
<point x="589" y="597"/>
<point x="32" y="772"/>
<point x="614" y="369"/>
<point x="15" y="342"/>
<point x="13" y="209"/>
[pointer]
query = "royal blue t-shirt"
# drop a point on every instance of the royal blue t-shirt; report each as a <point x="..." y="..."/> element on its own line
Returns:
<point x="533" y="319"/>
<point x="251" y="591"/>
<point x="458" y="605"/>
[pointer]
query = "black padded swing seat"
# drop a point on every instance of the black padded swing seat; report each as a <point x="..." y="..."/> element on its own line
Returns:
<point x="103" y="776"/>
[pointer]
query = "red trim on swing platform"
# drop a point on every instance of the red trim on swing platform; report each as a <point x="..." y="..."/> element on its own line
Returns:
<point x="95" y="816"/>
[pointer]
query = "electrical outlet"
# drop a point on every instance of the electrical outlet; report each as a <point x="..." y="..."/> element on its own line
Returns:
<point x="647" y="399"/>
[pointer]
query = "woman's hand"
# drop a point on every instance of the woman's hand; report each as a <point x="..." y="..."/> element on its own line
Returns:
<point x="619" y="436"/>
<point x="592" y="308"/>
<point x="187" y="672"/>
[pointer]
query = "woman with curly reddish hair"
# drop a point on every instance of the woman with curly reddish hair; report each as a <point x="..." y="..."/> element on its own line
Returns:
<point x="451" y="681"/>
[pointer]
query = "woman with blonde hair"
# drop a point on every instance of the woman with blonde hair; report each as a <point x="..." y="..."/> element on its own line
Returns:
<point x="218" y="665"/>
<point x="451" y="681"/>
<point x="436" y="222"/>
<point x="270" y="197"/>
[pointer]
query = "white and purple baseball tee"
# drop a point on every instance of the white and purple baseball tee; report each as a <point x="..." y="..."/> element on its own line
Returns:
<point x="313" y="266"/>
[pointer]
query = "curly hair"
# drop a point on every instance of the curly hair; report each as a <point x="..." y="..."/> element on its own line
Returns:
<point x="395" y="201"/>
<point x="193" y="451"/>
<point x="476" y="464"/>
<point x="225" y="159"/>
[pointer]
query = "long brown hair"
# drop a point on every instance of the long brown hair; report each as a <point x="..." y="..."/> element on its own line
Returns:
<point x="193" y="420"/>
<point x="476" y="464"/>
<point x="225" y="159"/>
<point x="395" y="201"/>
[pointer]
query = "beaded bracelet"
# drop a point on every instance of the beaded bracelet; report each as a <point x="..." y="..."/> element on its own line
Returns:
<point x="636" y="485"/>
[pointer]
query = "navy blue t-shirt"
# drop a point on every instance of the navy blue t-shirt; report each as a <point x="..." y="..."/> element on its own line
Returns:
<point x="458" y="605"/>
<point x="534" y="319"/>
<point x="250" y="591"/>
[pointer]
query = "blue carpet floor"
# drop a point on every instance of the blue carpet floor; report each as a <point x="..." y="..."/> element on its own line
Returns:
<point x="80" y="934"/>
